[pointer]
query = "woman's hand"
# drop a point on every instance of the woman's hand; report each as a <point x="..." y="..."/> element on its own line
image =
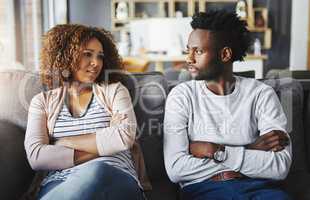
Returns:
<point x="117" y="118"/>
<point x="82" y="156"/>
<point x="61" y="141"/>
<point x="85" y="142"/>
<point x="79" y="156"/>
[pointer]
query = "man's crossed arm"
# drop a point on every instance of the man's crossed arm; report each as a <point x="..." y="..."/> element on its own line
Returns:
<point x="272" y="141"/>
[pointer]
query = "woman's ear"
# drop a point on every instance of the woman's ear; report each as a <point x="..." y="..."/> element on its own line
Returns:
<point x="226" y="54"/>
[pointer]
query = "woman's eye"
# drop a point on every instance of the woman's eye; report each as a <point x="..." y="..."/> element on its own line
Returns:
<point x="87" y="54"/>
<point x="100" y="56"/>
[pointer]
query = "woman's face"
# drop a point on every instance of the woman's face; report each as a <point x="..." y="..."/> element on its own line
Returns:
<point x="91" y="62"/>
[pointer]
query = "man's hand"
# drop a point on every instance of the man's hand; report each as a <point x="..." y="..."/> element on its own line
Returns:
<point x="201" y="149"/>
<point x="272" y="141"/>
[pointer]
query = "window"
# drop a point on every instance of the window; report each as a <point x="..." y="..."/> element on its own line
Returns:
<point x="7" y="33"/>
<point x="20" y="34"/>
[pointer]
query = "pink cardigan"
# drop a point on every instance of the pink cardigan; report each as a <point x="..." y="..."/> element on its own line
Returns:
<point x="43" y="112"/>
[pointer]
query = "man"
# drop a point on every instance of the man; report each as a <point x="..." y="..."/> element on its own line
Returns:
<point x="224" y="136"/>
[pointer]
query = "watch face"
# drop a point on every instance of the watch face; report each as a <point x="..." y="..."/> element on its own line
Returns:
<point x="219" y="156"/>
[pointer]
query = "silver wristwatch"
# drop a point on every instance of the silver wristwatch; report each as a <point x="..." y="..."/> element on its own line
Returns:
<point x="220" y="155"/>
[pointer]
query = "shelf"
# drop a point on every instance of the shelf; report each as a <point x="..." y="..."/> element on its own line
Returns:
<point x="260" y="17"/>
<point x="221" y="1"/>
<point x="182" y="58"/>
<point x="251" y="62"/>
<point x="265" y="34"/>
<point x="258" y="29"/>
<point x="255" y="57"/>
<point x="117" y="1"/>
<point x="115" y="29"/>
<point x="148" y="1"/>
<point x="122" y="20"/>
<point x="257" y="17"/>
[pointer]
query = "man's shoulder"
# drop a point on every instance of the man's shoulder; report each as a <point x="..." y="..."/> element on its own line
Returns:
<point x="187" y="87"/>
<point x="252" y="84"/>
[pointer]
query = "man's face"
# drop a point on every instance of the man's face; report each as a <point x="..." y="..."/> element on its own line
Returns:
<point x="203" y="61"/>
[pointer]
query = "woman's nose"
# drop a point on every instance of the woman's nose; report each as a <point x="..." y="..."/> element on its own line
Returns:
<point x="94" y="61"/>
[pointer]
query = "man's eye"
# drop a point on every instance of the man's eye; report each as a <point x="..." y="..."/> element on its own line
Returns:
<point x="198" y="51"/>
<point x="186" y="51"/>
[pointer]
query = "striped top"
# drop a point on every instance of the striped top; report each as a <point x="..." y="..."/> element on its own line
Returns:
<point x="95" y="117"/>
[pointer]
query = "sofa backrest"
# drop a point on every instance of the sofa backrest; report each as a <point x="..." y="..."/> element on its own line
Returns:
<point x="290" y="93"/>
<point x="148" y="92"/>
<point x="17" y="87"/>
<point x="303" y="77"/>
<point x="306" y="117"/>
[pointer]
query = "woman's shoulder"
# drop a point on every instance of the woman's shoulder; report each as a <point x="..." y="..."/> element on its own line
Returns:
<point x="111" y="87"/>
<point x="112" y="91"/>
<point x="47" y="95"/>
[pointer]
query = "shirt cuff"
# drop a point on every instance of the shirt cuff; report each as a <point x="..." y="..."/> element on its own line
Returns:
<point x="234" y="157"/>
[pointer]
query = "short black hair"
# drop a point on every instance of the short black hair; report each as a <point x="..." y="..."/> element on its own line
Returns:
<point x="228" y="30"/>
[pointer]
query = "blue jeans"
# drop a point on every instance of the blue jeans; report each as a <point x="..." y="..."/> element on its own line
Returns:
<point x="96" y="180"/>
<point x="237" y="189"/>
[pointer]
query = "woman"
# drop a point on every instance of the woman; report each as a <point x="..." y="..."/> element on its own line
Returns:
<point x="82" y="128"/>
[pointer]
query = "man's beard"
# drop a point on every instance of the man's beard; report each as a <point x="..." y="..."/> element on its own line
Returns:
<point x="213" y="72"/>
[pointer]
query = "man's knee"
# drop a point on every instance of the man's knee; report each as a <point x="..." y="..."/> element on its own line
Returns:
<point x="272" y="194"/>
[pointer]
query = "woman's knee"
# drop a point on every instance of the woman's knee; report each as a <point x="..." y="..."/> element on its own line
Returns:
<point x="100" y="173"/>
<point x="94" y="171"/>
<point x="103" y="181"/>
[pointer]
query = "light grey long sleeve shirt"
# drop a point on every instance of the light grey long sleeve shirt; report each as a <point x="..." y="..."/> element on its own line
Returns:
<point x="194" y="113"/>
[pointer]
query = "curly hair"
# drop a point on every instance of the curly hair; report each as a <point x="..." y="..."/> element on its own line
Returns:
<point x="228" y="30"/>
<point x="62" y="49"/>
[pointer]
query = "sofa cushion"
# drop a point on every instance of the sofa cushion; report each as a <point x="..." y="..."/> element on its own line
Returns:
<point x="148" y="92"/>
<point x="17" y="87"/>
<point x="306" y="87"/>
<point x="290" y="93"/>
<point x="281" y="73"/>
<point x="297" y="185"/>
<point x="15" y="172"/>
<point x="163" y="191"/>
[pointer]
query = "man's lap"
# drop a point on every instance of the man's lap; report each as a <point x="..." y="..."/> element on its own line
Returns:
<point x="237" y="189"/>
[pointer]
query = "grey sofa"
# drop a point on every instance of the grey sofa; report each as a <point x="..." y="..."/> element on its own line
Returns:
<point x="148" y="91"/>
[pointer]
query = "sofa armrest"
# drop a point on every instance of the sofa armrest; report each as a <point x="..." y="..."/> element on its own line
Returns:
<point x="15" y="172"/>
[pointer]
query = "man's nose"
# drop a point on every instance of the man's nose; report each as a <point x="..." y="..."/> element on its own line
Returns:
<point x="190" y="58"/>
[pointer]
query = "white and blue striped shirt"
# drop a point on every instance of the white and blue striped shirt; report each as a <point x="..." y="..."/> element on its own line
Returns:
<point x="95" y="117"/>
